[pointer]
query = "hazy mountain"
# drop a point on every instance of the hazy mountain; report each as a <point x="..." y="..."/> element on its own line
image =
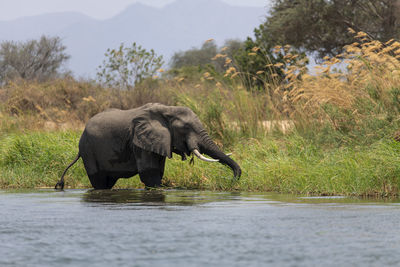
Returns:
<point x="175" y="27"/>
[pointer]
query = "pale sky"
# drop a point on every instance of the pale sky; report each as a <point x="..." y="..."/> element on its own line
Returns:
<point x="99" y="9"/>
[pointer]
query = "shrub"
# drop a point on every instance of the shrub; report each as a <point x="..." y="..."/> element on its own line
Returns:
<point x="126" y="67"/>
<point x="31" y="60"/>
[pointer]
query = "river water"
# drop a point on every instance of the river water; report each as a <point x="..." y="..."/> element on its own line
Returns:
<point x="192" y="228"/>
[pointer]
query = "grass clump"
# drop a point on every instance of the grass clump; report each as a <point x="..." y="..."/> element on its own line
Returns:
<point x="35" y="159"/>
<point x="297" y="166"/>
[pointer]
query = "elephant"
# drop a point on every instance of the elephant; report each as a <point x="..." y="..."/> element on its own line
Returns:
<point x="122" y="143"/>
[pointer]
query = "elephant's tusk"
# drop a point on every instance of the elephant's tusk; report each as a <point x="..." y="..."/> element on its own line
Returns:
<point x="229" y="154"/>
<point x="200" y="156"/>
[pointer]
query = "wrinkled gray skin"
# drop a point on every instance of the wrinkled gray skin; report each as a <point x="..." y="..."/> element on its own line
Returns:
<point x="122" y="143"/>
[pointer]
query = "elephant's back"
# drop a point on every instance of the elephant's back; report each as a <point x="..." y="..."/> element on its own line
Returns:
<point x="108" y="121"/>
<point x="107" y="130"/>
<point x="113" y="125"/>
<point x="112" y="120"/>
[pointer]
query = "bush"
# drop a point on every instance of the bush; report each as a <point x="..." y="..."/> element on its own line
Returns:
<point x="127" y="67"/>
<point x="38" y="60"/>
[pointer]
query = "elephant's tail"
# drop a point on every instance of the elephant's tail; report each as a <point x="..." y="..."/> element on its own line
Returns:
<point x="60" y="184"/>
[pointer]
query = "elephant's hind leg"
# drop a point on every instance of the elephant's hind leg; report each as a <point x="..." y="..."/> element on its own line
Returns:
<point x="102" y="181"/>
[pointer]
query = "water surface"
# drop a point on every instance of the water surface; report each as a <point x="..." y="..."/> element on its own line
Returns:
<point x="192" y="228"/>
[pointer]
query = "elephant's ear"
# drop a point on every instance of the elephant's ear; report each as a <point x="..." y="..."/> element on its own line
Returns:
<point x="152" y="134"/>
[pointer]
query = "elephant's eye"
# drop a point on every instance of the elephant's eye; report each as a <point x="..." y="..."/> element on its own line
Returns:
<point x="181" y="126"/>
<point x="178" y="124"/>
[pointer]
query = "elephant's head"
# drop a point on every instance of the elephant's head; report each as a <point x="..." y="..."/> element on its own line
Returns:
<point x="165" y="129"/>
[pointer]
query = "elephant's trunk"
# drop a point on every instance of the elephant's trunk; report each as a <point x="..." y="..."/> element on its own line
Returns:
<point x="208" y="147"/>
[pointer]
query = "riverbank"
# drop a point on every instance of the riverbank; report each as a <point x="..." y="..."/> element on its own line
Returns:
<point x="327" y="133"/>
<point x="278" y="163"/>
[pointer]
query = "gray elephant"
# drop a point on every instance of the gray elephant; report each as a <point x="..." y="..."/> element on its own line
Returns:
<point x="122" y="143"/>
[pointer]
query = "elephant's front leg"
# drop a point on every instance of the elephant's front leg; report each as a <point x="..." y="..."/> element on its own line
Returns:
<point x="150" y="167"/>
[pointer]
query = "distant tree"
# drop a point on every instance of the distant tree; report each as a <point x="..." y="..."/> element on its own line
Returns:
<point x="231" y="47"/>
<point x="125" y="67"/>
<point x="254" y="60"/>
<point x="227" y="53"/>
<point x="31" y="60"/>
<point x="261" y="63"/>
<point x="195" y="56"/>
<point x="321" y="26"/>
<point x="208" y="55"/>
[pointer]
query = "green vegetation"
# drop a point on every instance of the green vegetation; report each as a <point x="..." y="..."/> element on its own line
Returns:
<point x="254" y="62"/>
<point x="320" y="26"/>
<point x="289" y="164"/>
<point x="126" y="67"/>
<point x="31" y="60"/>
<point x="332" y="132"/>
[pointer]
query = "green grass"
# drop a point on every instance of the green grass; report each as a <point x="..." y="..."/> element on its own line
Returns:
<point x="286" y="164"/>
<point x="37" y="159"/>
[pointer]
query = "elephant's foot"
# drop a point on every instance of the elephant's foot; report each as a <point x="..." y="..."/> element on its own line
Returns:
<point x="102" y="181"/>
<point x="151" y="178"/>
